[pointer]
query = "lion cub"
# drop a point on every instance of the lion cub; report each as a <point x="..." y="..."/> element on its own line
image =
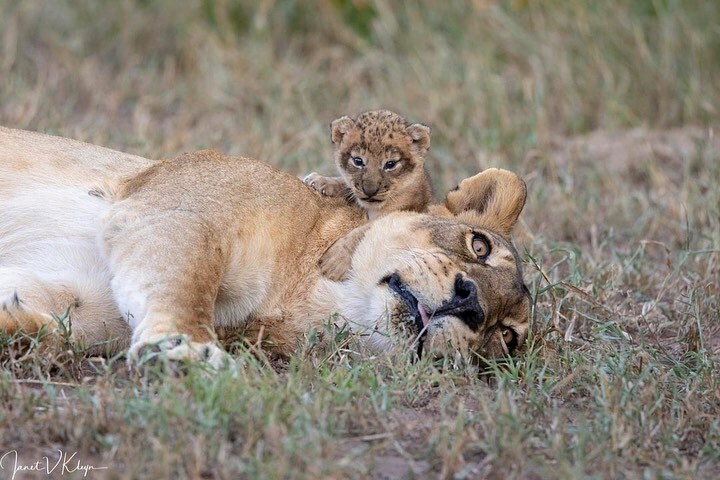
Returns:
<point x="381" y="161"/>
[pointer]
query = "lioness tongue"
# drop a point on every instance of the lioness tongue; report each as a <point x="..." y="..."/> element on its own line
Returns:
<point x="423" y="314"/>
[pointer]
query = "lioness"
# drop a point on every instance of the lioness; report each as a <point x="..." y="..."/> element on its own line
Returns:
<point x="163" y="252"/>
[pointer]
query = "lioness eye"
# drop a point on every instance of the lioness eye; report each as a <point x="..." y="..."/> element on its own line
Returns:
<point x="358" y="162"/>
<point x="480" y="246"/>
<point x="391" y="164"/>
<point x="508" y="335"/>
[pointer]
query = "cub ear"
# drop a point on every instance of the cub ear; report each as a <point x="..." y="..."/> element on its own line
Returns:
<point x="491" y="199"/>
<point x="420" y="135"/>
<point x="339" y="127"/>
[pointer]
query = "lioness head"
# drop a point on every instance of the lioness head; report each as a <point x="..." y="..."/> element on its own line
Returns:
<point x="450" y="278"/>
<point x="379" y="154"/>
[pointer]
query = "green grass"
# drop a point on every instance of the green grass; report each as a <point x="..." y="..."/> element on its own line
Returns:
<point x="607" y="109"/>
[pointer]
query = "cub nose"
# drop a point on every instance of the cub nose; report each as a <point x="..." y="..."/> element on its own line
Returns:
<point x="370" y="190"/>
<point x="464" y="304"/>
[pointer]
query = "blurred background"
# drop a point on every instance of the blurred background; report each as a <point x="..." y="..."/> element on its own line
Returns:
<point x="264" y="78"/>
<point x="605" y="108"/>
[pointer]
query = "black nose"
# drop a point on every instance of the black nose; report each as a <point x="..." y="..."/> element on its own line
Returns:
<point x="464" y="304"/>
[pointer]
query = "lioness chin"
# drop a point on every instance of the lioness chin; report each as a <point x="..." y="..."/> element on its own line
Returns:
<point x="163" y="253"/>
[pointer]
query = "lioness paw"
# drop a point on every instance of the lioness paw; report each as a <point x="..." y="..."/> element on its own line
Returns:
<point x="335" y="265"/>
<point x="328" y="186"/>
<point x="16" y="316"/>
<point x="177" y="348"/>
<point x="336" y="262"/>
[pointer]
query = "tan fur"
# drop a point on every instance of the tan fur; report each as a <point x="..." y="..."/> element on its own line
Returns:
<point x="376" y="137"/>
<point x="178" y="250"/>
<point x="503" y="207"/>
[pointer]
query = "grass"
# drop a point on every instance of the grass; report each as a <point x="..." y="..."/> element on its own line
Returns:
<point x="607" y="109"/>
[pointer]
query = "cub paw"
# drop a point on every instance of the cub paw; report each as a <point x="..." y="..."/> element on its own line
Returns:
<point x="328" y="186"/>
<point x="177" y="349"/>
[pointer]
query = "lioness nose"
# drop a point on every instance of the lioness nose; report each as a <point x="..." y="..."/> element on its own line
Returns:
<point x="464" y="304"/>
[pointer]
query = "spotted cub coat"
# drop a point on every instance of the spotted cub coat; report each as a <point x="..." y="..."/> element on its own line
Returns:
<point x="381" y="161"/>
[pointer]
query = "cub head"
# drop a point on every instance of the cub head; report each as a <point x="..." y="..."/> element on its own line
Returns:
<point x="450" y="279"/>
<point x="379" y="154"/>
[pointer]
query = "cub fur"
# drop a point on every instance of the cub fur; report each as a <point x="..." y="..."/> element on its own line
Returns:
<point x="381" y="161"/>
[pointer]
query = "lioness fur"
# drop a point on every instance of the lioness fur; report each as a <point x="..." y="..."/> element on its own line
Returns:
<point x="163" y="253"/>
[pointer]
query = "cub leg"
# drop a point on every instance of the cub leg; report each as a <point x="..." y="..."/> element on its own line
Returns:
<point x="328" y="186"/>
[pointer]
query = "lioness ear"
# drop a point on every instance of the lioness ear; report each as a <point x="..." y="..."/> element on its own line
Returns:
<point x="491" y="199"/>
<point x="420" y="135"/>
<point x="339" y="127"/>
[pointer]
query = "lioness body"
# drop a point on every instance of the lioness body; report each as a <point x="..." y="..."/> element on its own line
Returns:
<point x="174" y="249"/>
<point x="260" y="249"/>
<point x="253" y="244"/>
<point x="49" y="254"/>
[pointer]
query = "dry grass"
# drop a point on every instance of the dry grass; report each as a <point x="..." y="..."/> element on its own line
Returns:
<point x="606" y="108"/>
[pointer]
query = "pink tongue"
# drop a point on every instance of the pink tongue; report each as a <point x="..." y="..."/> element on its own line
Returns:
<point x="423" y="314"/>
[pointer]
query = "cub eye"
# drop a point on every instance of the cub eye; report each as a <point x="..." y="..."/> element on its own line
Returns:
<point x="509" y="338"/>
<point x="480" y="246"/>
<point x="358" y="162"/>
<point x="391" y="165"/>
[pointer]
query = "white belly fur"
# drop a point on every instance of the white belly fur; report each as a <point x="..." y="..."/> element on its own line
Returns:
<point x="50" y="231"/>
<point x="50" y="257"/>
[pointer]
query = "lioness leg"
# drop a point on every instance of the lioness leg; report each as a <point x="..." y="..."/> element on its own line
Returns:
<point x="166" y="289"/>
<point x="336" y="261"/>
<point x="28" y="303"/>
<point x="21" y="307"/>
